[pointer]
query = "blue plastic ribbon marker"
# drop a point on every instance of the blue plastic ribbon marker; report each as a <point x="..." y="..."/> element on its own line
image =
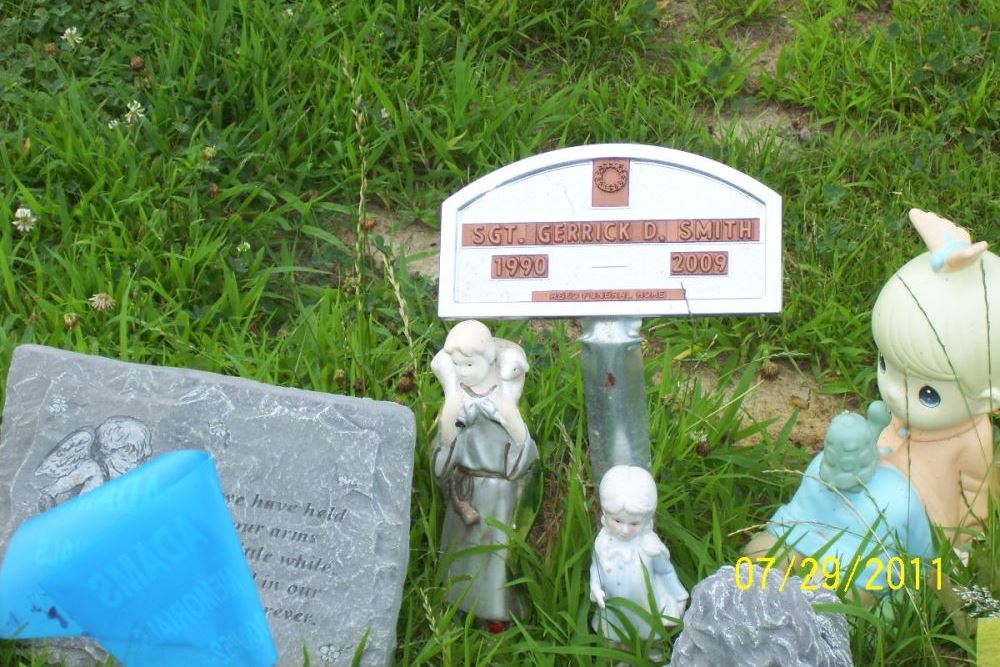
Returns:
<point x="147" y="564"/>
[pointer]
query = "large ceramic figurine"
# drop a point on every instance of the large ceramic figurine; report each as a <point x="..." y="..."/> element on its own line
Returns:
<point x="481" y="458"/>
<point x="937" y="327"/>
<point x="629" y="559"/>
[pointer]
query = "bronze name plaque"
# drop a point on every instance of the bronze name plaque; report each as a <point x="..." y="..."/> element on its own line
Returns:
<point x="608" y="295"/>
<point x="699" y="263"/>
<point x="519" y="266"/>
<point x="724" y="230"/>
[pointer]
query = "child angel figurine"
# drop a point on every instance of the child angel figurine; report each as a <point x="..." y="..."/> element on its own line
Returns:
<point x="481" y="457"/>
<point x="629" y="560"/>
<point x="935" y="323"/>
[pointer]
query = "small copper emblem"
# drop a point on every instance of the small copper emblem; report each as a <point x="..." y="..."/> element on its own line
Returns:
<point x="611" y="176"/>
<point x="610" y="182"/>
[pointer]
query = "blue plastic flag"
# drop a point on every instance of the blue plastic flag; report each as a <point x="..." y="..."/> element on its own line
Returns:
<point x="147" y="564"/>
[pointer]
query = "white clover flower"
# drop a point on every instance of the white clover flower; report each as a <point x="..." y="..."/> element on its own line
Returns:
<point x="698" y="435"/>
<point x="289" y="12"/>
<point x="102" y="301"/>
<point x="384" y="113"/>
<point x="24" y="220"/>
<point x="113" y="123"/>
<point x="72" y="37"/>
<point x="135" y="113"/>
<point x="242" y="248"/>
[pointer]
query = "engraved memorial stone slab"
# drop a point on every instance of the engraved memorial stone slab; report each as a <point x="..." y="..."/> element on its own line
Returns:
<point x="318" y="484"/>
<point x="611" y="230"/>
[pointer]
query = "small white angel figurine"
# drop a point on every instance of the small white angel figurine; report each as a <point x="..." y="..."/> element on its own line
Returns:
<point x="481" y="457"/>
<point x="628" y="554"/>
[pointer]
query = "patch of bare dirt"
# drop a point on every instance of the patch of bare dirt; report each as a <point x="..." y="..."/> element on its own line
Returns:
<point x="789" y="127"/>
<point x="878" y="18"/>
<point x="776" y="394"/>
<point x="415" y="246"/>
<point x="675" y="14"/>
<point x="763" y="39"/>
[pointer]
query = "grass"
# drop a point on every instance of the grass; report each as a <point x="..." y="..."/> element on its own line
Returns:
<point x="230" y="227"/>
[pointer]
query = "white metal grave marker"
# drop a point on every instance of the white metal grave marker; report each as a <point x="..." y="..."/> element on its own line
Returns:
<point x="611" y="230"/>
<point x="611" y="233"/>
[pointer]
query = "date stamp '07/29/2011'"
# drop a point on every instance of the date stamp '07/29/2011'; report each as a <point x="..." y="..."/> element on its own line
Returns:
<point x="829" y="573"/>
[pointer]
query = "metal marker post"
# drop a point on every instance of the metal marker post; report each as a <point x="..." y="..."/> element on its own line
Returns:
<point x="615" y="387"/>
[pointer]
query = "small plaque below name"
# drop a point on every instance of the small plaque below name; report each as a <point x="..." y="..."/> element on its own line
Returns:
<point x="609" y="295"/>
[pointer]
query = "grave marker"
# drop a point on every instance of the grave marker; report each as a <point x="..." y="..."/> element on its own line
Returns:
<point x="611" y="233"/>
<point x="611" y="230"/>
<point x="318" y="485"/>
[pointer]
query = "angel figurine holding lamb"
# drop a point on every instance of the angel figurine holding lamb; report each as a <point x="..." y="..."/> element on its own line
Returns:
<point x="481" y="457"/>
<point x="629" y="559"/>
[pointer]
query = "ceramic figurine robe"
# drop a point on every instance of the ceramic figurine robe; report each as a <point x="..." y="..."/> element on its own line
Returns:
<point x="481" y="457"/>
<point x="936" y="323"/>
<point x="628" y="554"/>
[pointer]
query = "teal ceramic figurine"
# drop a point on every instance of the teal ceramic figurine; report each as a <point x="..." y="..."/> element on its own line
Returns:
<point x="850" y="506"/>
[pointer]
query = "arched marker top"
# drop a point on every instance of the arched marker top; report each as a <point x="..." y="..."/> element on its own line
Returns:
<point x="611" y="230"/>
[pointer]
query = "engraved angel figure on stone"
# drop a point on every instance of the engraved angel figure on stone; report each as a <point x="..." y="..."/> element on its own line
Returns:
<point x="87" y="457"/>
<point x="481" y="457"/>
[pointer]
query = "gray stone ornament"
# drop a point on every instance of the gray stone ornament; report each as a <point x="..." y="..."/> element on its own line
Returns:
<point x="765" y="625"/>
<point x="481" y="457"/>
